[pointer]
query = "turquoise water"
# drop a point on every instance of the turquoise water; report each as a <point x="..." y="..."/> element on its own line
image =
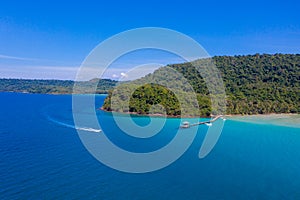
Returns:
<point x="42" y="157"/>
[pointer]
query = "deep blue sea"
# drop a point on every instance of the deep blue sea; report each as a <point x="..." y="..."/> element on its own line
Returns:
<point x="42" y="157"/>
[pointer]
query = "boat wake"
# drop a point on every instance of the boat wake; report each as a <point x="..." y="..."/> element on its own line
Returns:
<point x="73" y="126"/>
<point x="208" y="124"/>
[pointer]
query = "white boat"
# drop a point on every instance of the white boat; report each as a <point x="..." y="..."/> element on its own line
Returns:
<point x="185" y="125"/>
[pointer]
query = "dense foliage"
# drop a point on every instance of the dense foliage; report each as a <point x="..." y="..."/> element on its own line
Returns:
<point x="254" y="84"/>
<point x="54" y="86"/>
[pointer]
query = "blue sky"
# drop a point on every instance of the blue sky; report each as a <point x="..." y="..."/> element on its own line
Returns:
<point x="49" y="39"/>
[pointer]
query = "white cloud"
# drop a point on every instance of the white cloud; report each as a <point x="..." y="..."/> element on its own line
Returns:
<point x="115" y="76"/>
<point x="16" y="58"/>
<point x="8" y="57"/>
<point x="124" y="74"/>
<point x="41" y="72"/>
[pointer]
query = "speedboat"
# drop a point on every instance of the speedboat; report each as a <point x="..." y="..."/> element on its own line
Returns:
<point x="185" y="125"/>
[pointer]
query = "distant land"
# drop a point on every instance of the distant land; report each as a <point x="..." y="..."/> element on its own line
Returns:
<point x="54" y="86"/>
<point x="254" y="84"/>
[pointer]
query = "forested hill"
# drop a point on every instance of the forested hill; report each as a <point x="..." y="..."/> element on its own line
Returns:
<point x="54" y="86"/>
<point x="255" y="84"/>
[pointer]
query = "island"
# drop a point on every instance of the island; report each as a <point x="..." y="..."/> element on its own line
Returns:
<point x="254" y="84"/>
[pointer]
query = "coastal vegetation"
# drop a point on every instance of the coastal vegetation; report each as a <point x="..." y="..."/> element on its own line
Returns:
<point x="254" y="84"/>
<point x="54" y="86"/>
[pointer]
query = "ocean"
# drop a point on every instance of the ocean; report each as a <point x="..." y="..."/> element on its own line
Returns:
<point x="42" y="157"/>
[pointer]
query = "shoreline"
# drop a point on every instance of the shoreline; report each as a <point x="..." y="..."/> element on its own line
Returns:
<point x="231" y="116"/>
<point x="150" y="115"/>
<point x="262" y="115"/>
<point x="279" y="119"/>
<point x="20" y="92"/>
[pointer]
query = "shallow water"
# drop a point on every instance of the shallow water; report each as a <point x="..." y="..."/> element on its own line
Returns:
<point x="290" y="120"/>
